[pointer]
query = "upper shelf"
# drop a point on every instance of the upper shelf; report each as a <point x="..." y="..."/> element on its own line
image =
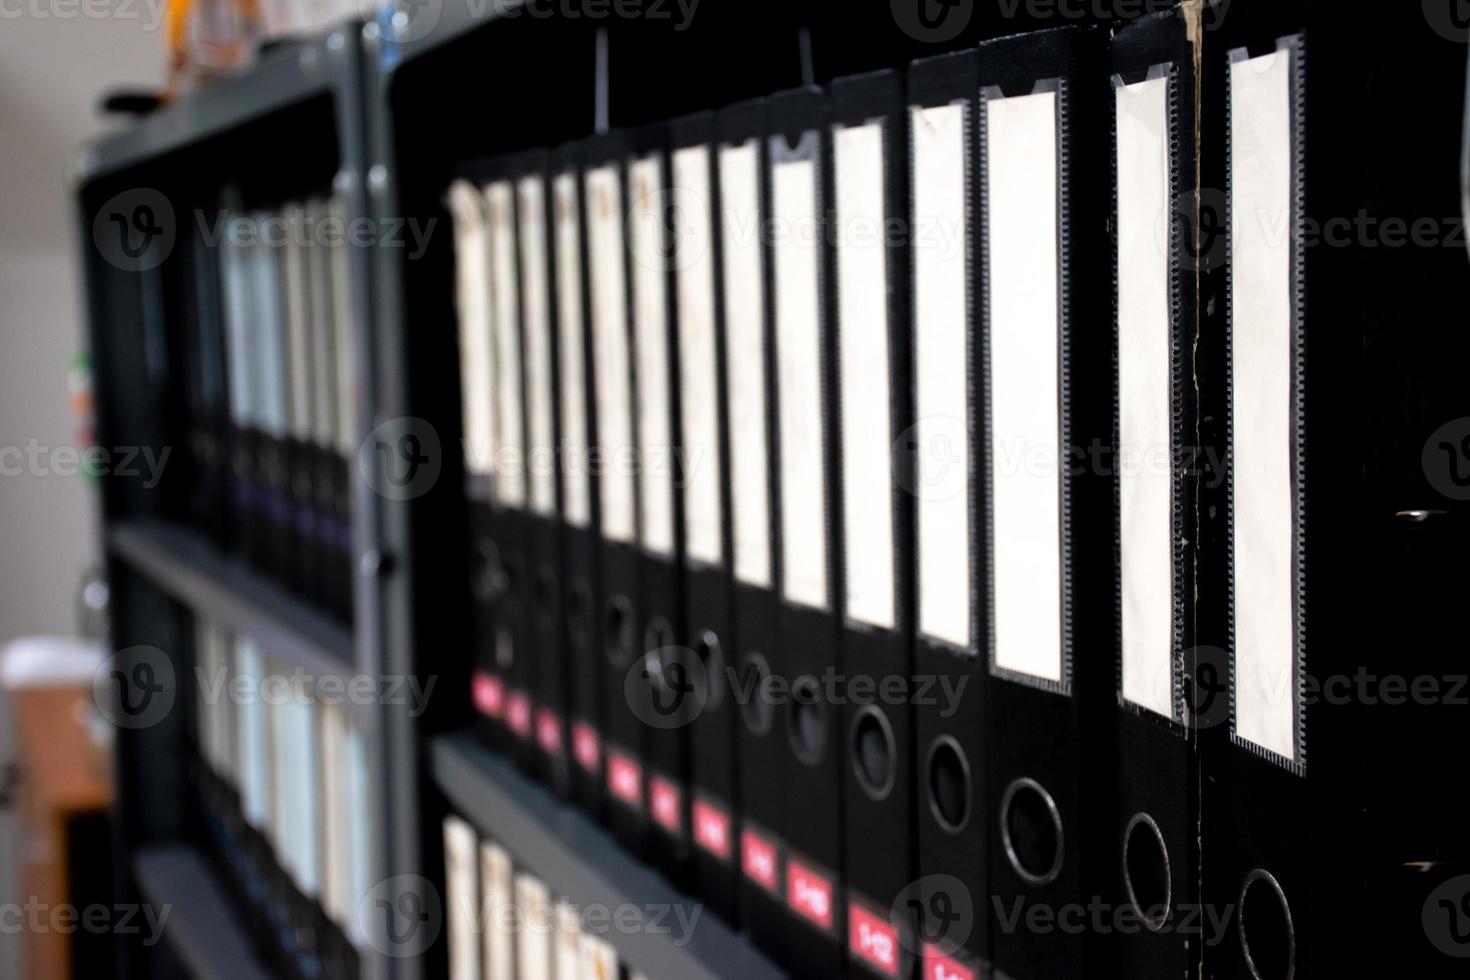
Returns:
<point x="234" y="594"/>
<point x="293" y="72"/>
<point x="201" y="925"/>
<point x="577" y="858"/>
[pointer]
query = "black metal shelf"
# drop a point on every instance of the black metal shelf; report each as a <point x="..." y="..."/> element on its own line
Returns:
<point x="408" y="31"/>
<point x="291" y="73"/>
<point x="577" y="857"/>
<point x="201" y="926"/>
<point x="191" y="569"/>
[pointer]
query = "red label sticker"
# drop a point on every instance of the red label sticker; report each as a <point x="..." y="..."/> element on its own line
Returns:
<point x="872" y="939"/>
<point x="809" y="893"/>
<point x="712" y="829"/>
<point x="938" y="966"/>
<point x="489" y="694"/>
<point x="758" y="859"/>
<point x="587" y="747"/>
<point x="663" y="801"/>
<point x="518" y="714"/>
<point x="625" y="780"/>
<point x="548" y="731"/>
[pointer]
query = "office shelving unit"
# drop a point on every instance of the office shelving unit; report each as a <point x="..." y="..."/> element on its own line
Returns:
<point x="385" y="111"/>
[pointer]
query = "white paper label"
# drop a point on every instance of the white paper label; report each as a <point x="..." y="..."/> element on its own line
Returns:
<point x="323" y="352"/>
<point x="536" y="312"/>
<point x="461" y="881"/>
<point x="497" y="876"/>
<point x="862" y="319"/>
<point x="794" y="207"/>
<point x="568" y="942"/>
<point x="473" y="305"/>
<point x="269" y="324"/>
<point x="344" y="320"/>
<point x="510" y="437"/>
<point x="1263" y="404"/>
<point x="740" y="237"/>
<point x="610" y="353"/>
<point x="599" y="959"/>
<point x="239" y="335"/>
<point x="1026" y="456"/>
<point x="254" y="774"/>
<point x="1145" y="395"/>
<point x="941" y="177"/>
<point x="698" y="365"/>
<point x="577" y="502"/>
<point x="298" y="320"/>
<point x="651" y="333"/>
<point x="336" y="884"/>
<point x="537" y="926"/>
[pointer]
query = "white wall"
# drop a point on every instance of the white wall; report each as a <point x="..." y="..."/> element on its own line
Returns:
<point x="54" y="62"/>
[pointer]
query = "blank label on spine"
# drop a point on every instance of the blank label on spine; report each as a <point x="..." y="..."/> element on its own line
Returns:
<point x="862" y="319"/>
<point x="699" y="367"/>
<point x="651" y="335"/>
<point x="536" y="315"/>
<point x="1264" y="403"/>
<point x="1024" y="324"/>
<point x="794" y="208"/>
<point x="461" y="883"/>
<point x="740" y="238"/>
<point x="610" y="353"/>
<point x="941" y="160"/>
<point x="472" y="301"/>
<point x="1145" y="395"/>
<point x="510" y="441"/>
<point x="577" y="504"/>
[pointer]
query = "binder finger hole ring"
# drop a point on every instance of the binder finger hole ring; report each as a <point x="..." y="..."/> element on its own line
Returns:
<point x="874" y="753"/>
<point x="546" y="596"/>
<point x="489" y="577"/>
<point x="949" y="784"/>
<point x="1147" y="875"/>
<point x="579" y="615"/>
<point x="1266" y="935"/>
<point x="808" y="721"/>
<point x="755" y="707"/>
<point x="1031" y="830"/>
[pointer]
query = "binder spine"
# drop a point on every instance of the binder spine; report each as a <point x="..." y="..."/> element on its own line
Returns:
<point x="620" y="568"/>
<point x="710" y="634"/>
<point x="873" y="419"/>
<point x="799" y="151"/>
<point x="954" y="819"/>
<point x="757" y="662"/>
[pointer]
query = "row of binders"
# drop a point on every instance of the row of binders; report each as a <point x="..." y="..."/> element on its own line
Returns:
<point x="286" y="803"/>
<point x="270" y="382"/>
<point x="888" y="505"/>
<point x="505" y="923"/>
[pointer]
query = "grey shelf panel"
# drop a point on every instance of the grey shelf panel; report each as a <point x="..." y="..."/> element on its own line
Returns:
<point x="579" y="859"/>
<point x="201" y="925"/>
<point x="194" y="571"/>
<point x="284" y="76"/>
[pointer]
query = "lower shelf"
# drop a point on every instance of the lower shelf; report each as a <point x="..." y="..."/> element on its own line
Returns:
<point x="577" y="858"/>
<point x="201" y="925"/>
